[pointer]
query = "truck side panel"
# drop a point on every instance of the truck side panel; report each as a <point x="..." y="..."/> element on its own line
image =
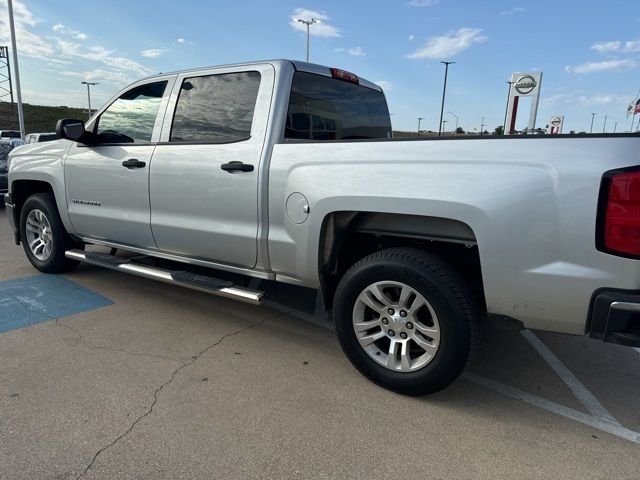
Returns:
<point x="533" y="216"/>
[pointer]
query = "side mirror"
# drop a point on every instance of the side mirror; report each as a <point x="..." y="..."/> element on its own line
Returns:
<point x="70" y="129"/>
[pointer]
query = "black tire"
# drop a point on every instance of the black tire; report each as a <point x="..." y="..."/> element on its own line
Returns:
<point x="442" y="287"/>
<point x="56" y="262"/>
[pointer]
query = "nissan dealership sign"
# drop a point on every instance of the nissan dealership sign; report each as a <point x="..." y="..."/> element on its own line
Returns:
<point x="525" y="84"/>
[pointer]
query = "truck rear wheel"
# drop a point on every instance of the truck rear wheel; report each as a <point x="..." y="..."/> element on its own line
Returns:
<point x="406" y="320"/>
<point x="43" y="235"/>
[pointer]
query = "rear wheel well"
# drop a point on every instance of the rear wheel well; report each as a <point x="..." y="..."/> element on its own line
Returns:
<point x="347" y="237"/>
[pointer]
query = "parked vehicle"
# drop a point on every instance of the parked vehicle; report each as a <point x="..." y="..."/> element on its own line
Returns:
<point x="6" y="145"/>
<point x="10" y="134"/>
<point x="287" y="171"/>
<point x="40" y="137"/>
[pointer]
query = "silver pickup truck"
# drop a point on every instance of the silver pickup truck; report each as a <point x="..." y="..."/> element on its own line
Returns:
<point x="287" y="171"/>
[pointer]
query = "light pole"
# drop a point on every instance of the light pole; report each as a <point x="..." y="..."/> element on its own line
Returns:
<point x="308" y="23"/>
<point x="604" y="126"/>
<point x="593" y="115"/>
<point x="89" y="84"/>
<point x="506" y="109"/>
<point x="482" y="126"/>
<point x="444" y="92"/>
<point x="419" y="120"/>
<point x="12" y="28"/>
<point x="456" y="117"/>
<point x="615" y="127"/>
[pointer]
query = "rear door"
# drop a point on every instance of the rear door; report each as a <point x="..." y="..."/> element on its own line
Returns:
<point x="204" y="175"/>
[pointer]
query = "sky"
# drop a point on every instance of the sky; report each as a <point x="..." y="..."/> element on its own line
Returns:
<point x="588" y="51"/>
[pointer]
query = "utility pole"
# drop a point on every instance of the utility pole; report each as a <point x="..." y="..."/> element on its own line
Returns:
<point x="308" y="23"/>
<point x="89" y="84"/>
<point x="615" y="127"/>
<point x="604" y="127"/>
<point x="482" y="126"/>
<point x="419" y="120"/>
<point x="506" y="109"/>
<point x="12" y="28"/>
<point x="456" y="117"/>
<point x="444" y="92"/>
<point x="593" y="115"/>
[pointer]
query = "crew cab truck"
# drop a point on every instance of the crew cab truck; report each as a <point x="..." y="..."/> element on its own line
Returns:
<point x="287" y="171"/>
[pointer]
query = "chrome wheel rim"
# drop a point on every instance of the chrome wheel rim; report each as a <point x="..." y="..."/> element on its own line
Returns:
<point x="396" y="326"/>
<point x="39" y="235"/>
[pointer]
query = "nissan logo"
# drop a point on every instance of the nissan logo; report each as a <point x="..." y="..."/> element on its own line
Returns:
<point x="555" y="121"/>
<point x="525" y="84"/>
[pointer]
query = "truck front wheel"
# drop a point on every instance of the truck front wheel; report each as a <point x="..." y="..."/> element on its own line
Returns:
<point x="406" y="320"/>
<point x="44" y="237"/>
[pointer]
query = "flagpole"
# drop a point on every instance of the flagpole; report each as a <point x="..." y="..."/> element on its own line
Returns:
<point x="633" y="114"/>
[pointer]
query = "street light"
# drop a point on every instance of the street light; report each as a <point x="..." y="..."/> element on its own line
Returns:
<point x="456" y="130"/>
<point x="482" y="126"/>
<point x="89" y="84"/>
<point x="604" y="126"/>
<point x="308" y="23"/>
<point x="444" y="91"/>
<point x="593" y="116"/>
<point x="419" y="120"/>
<point x="615" y="127"/>
<point x="12" y="28"/>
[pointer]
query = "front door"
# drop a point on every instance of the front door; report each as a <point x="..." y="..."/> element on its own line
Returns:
<point x="108" y="183"/>
<point x="204" y="174"/>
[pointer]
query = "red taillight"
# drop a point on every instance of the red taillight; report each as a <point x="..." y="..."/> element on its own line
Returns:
<point x="622" y="214"/>
<point x="344" y="75"/>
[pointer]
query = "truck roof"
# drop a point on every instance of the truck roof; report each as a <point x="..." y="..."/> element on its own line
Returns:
<point x="297" y="64"/>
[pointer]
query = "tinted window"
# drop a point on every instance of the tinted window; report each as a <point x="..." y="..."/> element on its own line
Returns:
<point x="322" y="108"/>
<point x="216" y="108"/>
<point x="130" y="119"/>
<point x="10" y="134"/>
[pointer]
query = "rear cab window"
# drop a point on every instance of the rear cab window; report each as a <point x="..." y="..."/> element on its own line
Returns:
<point x="215" y="108"/>
<point x="324" y="108"/>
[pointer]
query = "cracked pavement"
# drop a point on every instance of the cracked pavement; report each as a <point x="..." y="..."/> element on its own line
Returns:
<point x="169" y="383"/>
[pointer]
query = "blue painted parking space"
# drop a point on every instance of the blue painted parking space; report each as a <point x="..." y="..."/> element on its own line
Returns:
<point x="30" y="300"/>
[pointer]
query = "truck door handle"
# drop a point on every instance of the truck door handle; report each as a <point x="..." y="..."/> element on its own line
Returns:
<point x="236" y="166"/>
<point x="133" y="163"/>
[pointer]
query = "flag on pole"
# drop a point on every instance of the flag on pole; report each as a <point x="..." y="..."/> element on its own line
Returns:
<point x="631" y="109"/>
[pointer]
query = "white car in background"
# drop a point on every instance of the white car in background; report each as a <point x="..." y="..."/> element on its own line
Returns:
<point x="40" y="137"/>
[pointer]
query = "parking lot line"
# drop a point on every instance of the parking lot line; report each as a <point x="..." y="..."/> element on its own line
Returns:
<point x="599" y="423"/>
<point x="587" y="399"/>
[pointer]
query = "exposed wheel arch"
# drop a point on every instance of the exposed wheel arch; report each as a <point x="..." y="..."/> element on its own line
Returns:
<point x="21" y="190"/>
<point x="348" y="236"/>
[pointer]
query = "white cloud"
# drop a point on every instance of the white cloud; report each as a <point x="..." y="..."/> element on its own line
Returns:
<point x="512" y="11"/>
<point x="153" y="52"/>
<point x="357" y="52"/>
<point x="602" y="99"/>
<point x="386" y="85"/>
<point x="30" y="44"/>
<point x="322" y="29"/>
<point x="629" y="46"/>
<point x="448" y="45"/>
<point x="61" y="29"/>
<point x="422" y="3"/>
<point x="411" y="37"/>
<point x="604" y="66"/>
<point x="99" y="75"/>
<point x="181" y="40"/>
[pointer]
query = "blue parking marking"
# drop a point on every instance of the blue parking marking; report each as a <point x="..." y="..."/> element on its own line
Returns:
<point x="31" y="300"/>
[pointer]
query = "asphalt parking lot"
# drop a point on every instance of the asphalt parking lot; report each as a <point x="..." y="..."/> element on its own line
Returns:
<point x="119" y="377"/>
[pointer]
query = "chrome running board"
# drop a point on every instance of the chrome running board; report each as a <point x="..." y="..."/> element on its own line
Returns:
<point x="179" y="278"/>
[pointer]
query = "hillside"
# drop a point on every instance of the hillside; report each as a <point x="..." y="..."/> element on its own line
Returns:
<point x="37" y="118"/>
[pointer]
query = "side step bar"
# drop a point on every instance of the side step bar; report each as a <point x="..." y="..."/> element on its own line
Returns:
<point x="180" y="278"/>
